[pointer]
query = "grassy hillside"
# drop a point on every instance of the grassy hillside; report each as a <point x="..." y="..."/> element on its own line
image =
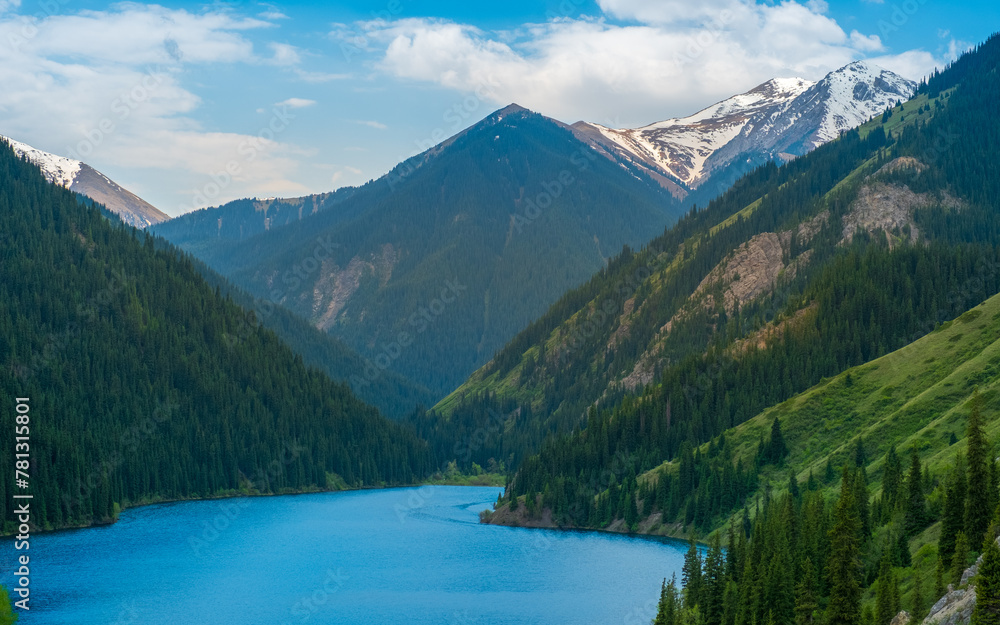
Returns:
<point x="917" y="397"/>
<point x="852" y="252"/>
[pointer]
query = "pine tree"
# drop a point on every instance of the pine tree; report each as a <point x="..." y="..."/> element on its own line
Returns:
<point x="886" y="594"/>
<point x="960" y="558"/>
<point x="805" y="595"/>
<point x="953" y="517"/>
<point x="987" y="610"/>
<point x="713" y="583"/>
<point x="666" y="613"/>
<point x="691" y="575"/>
<point x="977" y="510"/>
<point x="917" y="607"/>
<point x="844" y="568"/>
<point x="916" y="508"/>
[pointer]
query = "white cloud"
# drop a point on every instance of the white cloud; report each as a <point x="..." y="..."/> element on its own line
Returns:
<point x="107" y="87"/>
<point x="372" y="124"/>
<point x="869" y="43"/>
<point x="296" y="103"/>
<point x="669" y="58"/>
<point x="339" y="175"/>
<point x="284" y="54"/>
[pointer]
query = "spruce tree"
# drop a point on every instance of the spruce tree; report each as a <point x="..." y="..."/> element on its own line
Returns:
<point x="953" y="516"/>
<point x="776" y="448"/>
<point x="977" y="509"/>
<point x="861" y="500"/>
<point x="713" y="583"/>
<point x="939" y="577"/>
<point x="892" y="480"/>
<point x="805" y="595"/>
<point x="860" y="457"/>
<point x="844" y="568"/>
<point x="960" y="558"/>
<point x="886" y="593"/>
<point x="916" y="508"/>
<point x="691" y="575"/>
<point x="666" y="613"/>
<point x="987" y="610"/>
<point x="917" y="607"/>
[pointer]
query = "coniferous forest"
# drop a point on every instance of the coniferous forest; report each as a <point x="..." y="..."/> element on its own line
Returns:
<point x="148" y="384"/>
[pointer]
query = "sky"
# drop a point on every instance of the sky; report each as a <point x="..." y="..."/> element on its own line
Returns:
<point x="191" y="104"/>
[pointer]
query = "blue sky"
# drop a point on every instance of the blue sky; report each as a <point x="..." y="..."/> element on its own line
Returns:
<point x="191" y="104"/>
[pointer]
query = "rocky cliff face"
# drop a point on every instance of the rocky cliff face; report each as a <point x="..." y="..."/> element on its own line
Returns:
<point x="956" y="606"/>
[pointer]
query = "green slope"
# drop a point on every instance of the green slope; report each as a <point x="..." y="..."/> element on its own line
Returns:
<point x="917" y="397"/>
<point x="844" y="292"/>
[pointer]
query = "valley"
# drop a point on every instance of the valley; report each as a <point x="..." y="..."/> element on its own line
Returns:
<point x="735" y="367"/>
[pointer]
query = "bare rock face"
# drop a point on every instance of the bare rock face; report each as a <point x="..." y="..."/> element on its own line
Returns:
<point x="752" y="270"/>
<point x="956" y="606"/>
<point x="883" y="207"/>
<point x="888" y="208"/>
<point x="900" y="619"/>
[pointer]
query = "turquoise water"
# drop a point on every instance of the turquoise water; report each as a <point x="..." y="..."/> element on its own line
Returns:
<point x="415" y="555"/>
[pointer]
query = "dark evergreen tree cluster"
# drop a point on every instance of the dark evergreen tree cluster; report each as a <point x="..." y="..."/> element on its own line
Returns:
<point x="145" y="382"/>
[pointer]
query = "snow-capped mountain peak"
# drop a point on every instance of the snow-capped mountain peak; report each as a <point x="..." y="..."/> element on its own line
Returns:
<point x="780" y="118"/>
<point x="56" y="169"/>
<point x="857" y="91"/>
<point x="85" y="180"/>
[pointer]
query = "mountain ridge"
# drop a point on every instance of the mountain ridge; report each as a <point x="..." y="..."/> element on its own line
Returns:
<point x="776" y="120"/>
<point x="81" y="178"/>
<point x="515" y="208"/>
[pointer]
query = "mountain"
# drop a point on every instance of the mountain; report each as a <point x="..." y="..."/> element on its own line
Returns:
<point x="147" y="384"/>
<point x="430" y="269"/>
<point x="85" y="180"/>
<point x="822" y="384"/>
<point x="795" y="274"/>
<point x="778" y="120"/>
<point x="202" y="229"/>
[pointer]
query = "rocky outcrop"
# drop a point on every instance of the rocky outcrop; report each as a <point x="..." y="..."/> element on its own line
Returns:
<point x="335" y="287"/>
<point x="750" y="271"/>
<point x="900" y="619"/>
<point x="889" y="208"/>
<point x="955" y="607"/>
<point x="753" y="269"/>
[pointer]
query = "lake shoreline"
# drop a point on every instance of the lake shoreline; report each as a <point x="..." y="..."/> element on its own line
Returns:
<point x="454" y="481"/>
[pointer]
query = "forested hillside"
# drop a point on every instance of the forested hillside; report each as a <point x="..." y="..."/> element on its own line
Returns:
<point x="797" y="273"/>
<point x="394" y="395"/>
<point x="145" y="383"/>
<point x="857" y="280"/>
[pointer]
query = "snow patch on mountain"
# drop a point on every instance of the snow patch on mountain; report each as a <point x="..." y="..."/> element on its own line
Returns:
<point x="85" y="180"/>
<point x="778" y="119"/>
<point x="56" y="169"/>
